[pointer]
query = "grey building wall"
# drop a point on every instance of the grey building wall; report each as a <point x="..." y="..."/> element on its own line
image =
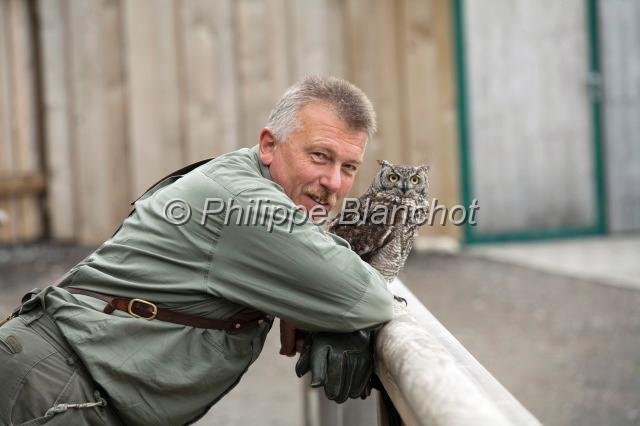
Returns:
<point x="530" y="122"/>
<point x="620" y="46"/>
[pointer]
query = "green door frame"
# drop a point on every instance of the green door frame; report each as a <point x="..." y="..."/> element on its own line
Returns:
<point x="464" y="138"/>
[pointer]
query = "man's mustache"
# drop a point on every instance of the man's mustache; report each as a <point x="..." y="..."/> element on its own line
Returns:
<point x="322" y="195"/>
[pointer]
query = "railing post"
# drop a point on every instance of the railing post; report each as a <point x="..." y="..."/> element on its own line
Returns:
<point x="319" y="411"/>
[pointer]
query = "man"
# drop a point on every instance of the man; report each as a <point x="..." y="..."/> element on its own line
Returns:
<point x="208" y="261"/>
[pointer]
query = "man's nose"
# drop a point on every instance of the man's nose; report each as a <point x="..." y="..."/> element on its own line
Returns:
<point x="331" y="179"/>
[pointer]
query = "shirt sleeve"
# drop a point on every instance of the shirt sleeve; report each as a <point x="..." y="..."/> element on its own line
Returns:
<point x="292" y="268"/>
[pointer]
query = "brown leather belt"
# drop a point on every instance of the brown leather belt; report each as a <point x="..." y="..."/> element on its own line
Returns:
<point x="144" y="309"/>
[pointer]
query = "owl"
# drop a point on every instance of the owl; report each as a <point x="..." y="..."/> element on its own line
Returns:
<point x="383" y="223"/>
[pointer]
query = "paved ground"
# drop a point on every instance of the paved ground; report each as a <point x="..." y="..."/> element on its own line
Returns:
<point x="568" y="348"/>
<point x="270" y="394"/>
<point x="611" y="260"/>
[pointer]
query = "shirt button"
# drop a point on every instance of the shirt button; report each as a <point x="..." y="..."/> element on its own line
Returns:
<point x="260" y="321"/>
<point x="238" y="325"/>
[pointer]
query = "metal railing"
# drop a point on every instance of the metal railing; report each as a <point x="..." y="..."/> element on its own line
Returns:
<point x="429" y="376"/>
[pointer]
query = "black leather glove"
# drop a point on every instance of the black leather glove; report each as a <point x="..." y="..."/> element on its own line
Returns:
<point x="342" y="363"/>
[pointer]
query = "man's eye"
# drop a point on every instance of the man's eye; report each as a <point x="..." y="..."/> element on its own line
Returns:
<point x="319" y="156"/>
<point x="350" y="168"/>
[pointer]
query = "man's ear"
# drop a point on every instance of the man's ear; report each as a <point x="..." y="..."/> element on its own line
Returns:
<point x="267" y="146"/>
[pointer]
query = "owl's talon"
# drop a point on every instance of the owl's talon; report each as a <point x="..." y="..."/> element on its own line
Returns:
<point x="400" y="299"/>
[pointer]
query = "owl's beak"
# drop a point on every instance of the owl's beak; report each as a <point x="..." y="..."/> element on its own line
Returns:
<point x="405" y="187"/>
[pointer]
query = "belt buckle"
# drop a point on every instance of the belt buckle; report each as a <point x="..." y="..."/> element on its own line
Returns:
<point x="154" y="309"/>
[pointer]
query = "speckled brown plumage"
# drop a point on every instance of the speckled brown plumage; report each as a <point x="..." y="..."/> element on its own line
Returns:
<point x="386" y="244"/>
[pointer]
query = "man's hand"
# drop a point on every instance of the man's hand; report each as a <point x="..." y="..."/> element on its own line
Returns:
<point x="342" y="363"/>
<point x="291" y="339"/>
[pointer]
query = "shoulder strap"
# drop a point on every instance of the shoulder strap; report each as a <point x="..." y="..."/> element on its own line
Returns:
<point x="180" y="172"/>
<point x="183" y="171"/>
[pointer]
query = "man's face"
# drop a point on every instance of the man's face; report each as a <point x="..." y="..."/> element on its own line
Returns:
<point x="317" y="164"/>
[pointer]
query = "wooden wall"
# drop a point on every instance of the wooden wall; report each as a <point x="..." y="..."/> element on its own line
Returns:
<point x="135" y="89"/>
<point x="21" y="179"/>
<point x="620" y="46"/>
<point x="99" y="98"/>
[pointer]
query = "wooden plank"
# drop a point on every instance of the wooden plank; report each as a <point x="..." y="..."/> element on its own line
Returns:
<point x="24" y="132"/>
<point x="385" y="85"/>
<point x="372" y="64"/>
<point x="99" y="132"/>
<point x="7" y="207"/>
<point x="360" y="70"/>
<point x="317" y="42"/>
<point x="253" y="70"/>
<point x="280" y="37"/>
<point x="429" y="96"/>
<point x="116" y="142"/>
<point x="90" y="178"/>
<point x="208" y="78"/>
<point x="55" y="59"/>
<point x="314" y="32"/>
<point x="21" y="185"/>
<point x="620" y="47"/>
<point x="153" y="102"/>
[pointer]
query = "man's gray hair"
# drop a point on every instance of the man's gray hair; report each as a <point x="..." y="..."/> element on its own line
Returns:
<point x="350" y="104"/>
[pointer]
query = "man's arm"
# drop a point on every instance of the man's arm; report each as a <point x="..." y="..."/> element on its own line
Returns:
<point x="299" y="273"/>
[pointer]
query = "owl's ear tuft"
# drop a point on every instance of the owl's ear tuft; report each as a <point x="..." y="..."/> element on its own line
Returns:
<point x="425" y="168"/>
<point x="385" y="163"/>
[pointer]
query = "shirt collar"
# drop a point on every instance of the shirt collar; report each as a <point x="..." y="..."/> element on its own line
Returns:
<point x="264" y="170"/>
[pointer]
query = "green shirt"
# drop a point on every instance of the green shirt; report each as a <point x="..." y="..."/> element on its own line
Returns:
<point x="163" y="373"/>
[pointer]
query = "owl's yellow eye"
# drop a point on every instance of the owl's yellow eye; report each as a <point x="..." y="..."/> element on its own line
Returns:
<point x="393" y="178"/>
<point x="414" y="180"/>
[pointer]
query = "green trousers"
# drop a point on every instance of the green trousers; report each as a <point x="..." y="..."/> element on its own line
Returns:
<point x="42" y="381"/>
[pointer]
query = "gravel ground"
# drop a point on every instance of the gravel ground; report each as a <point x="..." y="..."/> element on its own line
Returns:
<point x="568" y="349"/>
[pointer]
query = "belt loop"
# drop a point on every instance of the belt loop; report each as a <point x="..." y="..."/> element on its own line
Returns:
<point x="32" y="315"/>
